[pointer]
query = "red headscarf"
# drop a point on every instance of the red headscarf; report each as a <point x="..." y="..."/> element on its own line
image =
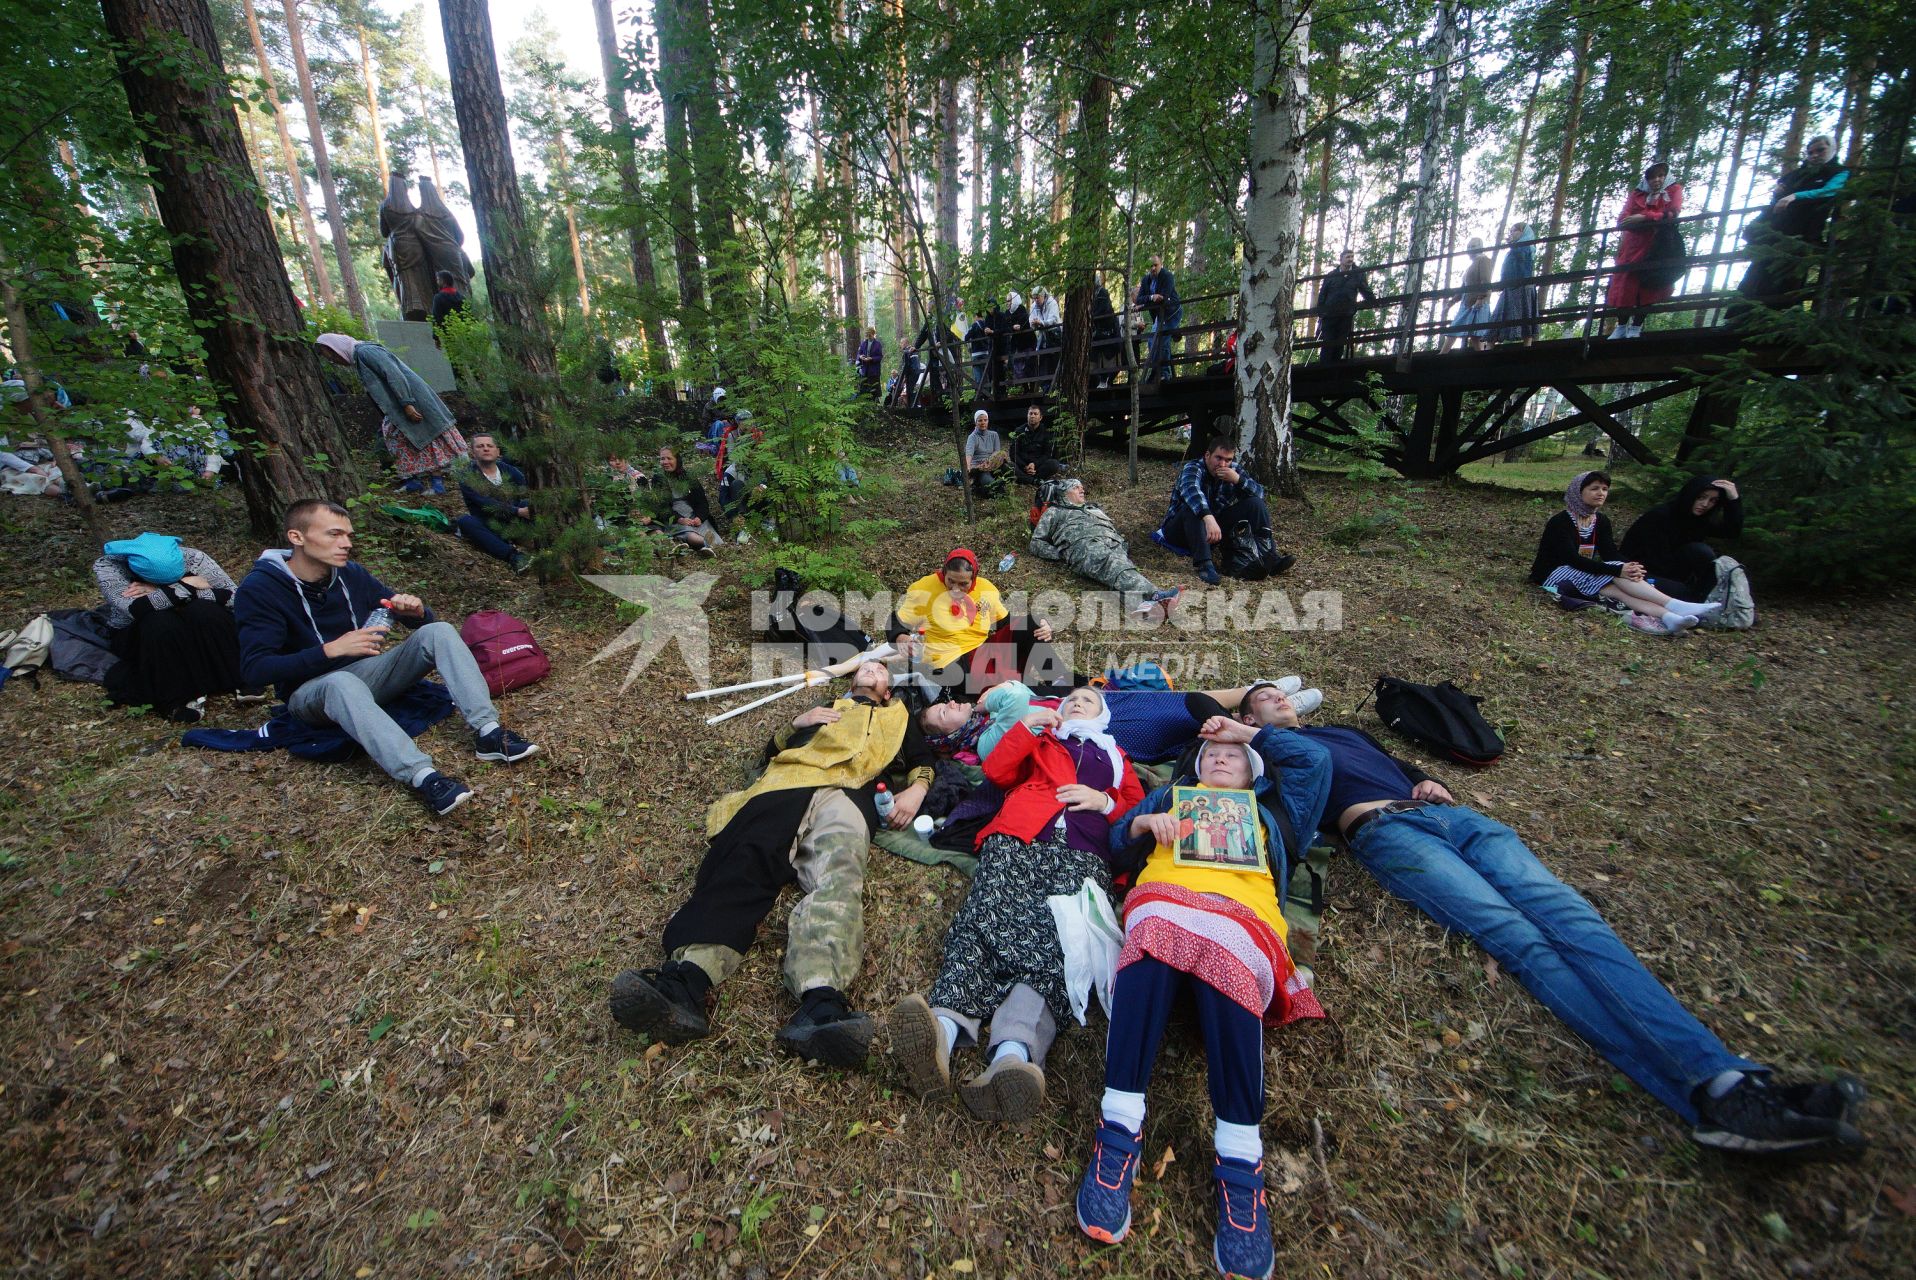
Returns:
<point x="962" y="606"/>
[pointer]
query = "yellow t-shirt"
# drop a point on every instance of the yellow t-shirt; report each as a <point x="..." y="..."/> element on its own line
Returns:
<point x="1253" y="889"/>
<point x="954" y="624"/>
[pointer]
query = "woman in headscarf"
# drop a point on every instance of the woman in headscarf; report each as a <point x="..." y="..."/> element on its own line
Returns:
<point x="1652" y="203"/>
<point x="1208" y="922"/>
<point x="967" y="634"/>
<point x="1047" y="327"/>
<point x="1018" y="327"/>
<point x="418" y="428"/>
<point x="1577" y="556"/>
<point x="1064" y="782"/>
<point x="170" y="609"/>
<point x="1672" y="539"/>
<point x="1517" y="308"/>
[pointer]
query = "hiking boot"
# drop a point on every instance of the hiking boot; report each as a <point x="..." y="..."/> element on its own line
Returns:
<point x="1282" y="564"/>
<point x="442" y="792"/>
<point x="1208" y="572"/>
<point x="666" y="1004"/>
<point x="1756" y="1119"/>
<point x="1104" y="1195"/>
<point x="504" y="746"/>
<point x="1009" y="1091"/>
<point x="1242" y="1247"/>
<point x="826" y="1030"/>
<point x="918" y="1043"/>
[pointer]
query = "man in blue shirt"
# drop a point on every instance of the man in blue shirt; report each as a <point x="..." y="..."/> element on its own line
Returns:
<point x="1212" y="504"/>
<point x="1473" y="875"/>
<point x="497" y="507"/>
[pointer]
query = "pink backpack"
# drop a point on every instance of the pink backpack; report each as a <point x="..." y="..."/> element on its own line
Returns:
<point x="507" y="654"/>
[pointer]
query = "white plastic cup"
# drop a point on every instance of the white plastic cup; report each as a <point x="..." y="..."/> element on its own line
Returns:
<point x="923" y="824"/>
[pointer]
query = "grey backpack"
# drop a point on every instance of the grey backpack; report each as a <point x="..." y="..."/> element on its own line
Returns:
<point x="1732" y="591"/>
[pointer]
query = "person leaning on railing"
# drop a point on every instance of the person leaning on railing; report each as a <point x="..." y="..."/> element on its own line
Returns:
<point x="1804" y="199"/>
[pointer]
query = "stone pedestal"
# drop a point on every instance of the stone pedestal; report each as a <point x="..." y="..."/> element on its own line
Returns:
<point x="411" y="341"/>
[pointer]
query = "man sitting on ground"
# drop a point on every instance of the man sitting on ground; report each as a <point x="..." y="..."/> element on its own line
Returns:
<point x="1081" y="535"/>
<point x="1034" y="454"/>
<point x="1475" y="876"/>
<point x="496" y="502"/>
<point x="314" y="623"/>
<point x="984" y="456"/>
<point x="807" y="821"/>
<point x="1213" y="504"/>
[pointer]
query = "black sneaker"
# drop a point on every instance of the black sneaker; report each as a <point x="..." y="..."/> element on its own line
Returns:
<point x="666" y="1003"/>
<point x="1838" y="1099"/>
<point x="1282" y="564"/>
<point x="505" y="746"/>
<point x="826" y="1030"/>
<point x="1208" y="572"/>
<point x="442" y="793"/>
<point x="1756" y="1119"/>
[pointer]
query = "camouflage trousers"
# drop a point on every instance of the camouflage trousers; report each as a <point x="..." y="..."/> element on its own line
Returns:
<point x="825" y="940"/>
<point x="1108" y="562"/>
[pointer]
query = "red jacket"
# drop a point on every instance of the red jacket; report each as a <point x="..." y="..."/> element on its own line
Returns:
<point x="1029" y="768"/>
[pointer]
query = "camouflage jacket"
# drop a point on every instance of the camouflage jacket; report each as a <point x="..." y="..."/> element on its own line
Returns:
<point x="1082" y="528"/>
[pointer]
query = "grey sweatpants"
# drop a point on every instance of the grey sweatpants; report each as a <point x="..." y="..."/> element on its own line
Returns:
<point x="350" y="697"/>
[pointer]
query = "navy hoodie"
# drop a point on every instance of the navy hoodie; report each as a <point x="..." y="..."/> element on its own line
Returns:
<point x="284" y="624"/>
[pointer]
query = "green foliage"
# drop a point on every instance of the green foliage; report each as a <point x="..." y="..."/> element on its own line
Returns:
<point x="321" y="318"/>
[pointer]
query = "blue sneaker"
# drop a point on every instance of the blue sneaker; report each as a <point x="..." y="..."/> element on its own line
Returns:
<point x="505" y="746"/>
<point x="443" y="794"/>
<point x="1104" y="1197"/>
<point x="1243" y="1245"/>
<point x="438" y="485"/>
<point x="412" y="486"/>
<point x="1208" y="572"/>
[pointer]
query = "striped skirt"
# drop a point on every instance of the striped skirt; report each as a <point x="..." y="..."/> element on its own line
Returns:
<point x="1564" y="577"/>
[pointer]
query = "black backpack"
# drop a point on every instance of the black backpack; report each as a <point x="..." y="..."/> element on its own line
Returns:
<point x="1441" y="717"/>
<point x="825" y="641"/>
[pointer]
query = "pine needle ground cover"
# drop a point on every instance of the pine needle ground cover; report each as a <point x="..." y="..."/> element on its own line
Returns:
<point x="266" y="1018"/>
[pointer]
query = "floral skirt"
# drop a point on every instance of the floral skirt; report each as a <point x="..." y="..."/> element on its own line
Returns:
<point x="438" y="455"/>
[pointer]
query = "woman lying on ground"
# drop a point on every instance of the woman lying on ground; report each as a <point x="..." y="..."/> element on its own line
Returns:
<point x="1672" y="539"/>
<point x="1578" y="555"/>
<point x="1205" y="915"/>
<point x="171" y="610"/>
<point x="1064" y="781"/>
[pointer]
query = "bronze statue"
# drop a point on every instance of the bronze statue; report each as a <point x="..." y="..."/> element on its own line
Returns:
<point x="420" y="242"/>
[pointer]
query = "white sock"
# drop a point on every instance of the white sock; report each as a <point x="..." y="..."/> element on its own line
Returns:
<point x="489" y="728"/>
<point x="950" y="1029"/>
<point x="1674" y="622"/>
<point x="425" y="771"/>
<point x="1126" y="1110"/>
<point x="1723" y="1082"/>
<point x="1238" y="1142"/>
<point x="1010" y="1049"/>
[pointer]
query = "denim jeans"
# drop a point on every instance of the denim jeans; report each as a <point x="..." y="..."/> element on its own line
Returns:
<point x="1474" y="876"/>
<point x="486" y="538"/>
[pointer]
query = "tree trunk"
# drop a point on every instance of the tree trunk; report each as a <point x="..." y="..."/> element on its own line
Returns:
<point x="1573" y="114"/>
<point x="683" y="215"/>
<point x="850" y="269"/>
<point x="1800" y="98"/>
<point x="1058" y="164"/>
<point x="228" y="262"/>
<point x="290" y="157"/>
<point x="715" y="160"/>
<point x="1666" y="140"/>
<point x="1195" y="259"/>
<point x="898" y="156"/>
<point x="998" y="156"/>
<point x="948" y="176"/>
<point x="20" y="341"/>
<point x="1273" y="224"/>
<point x="323" y="164"/>
<point x="1089" y="172"/>
<point x="372" y="111"/>
<point x="1752" y="83"/>
<point x="1443" y="49"/>
<point x="1523" y="146"/>
<point x="432" y="145"/>
<point x="493" y="184"/>
<point x="645" y="276"/>
<point x="1861" y="76"/>
<point x="265" y="178"/>
<point x="977" y="169"/>
<point x="1318" y="265"/>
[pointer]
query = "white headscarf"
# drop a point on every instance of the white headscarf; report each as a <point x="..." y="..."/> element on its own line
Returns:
<point x="1250" y="754"/>
<point x="341" y="344"/>
<point x="1093" y="730"/>
<point x="1013" y="301"/>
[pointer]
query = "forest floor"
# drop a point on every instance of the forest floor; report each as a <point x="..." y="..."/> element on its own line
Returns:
<point x="268" y="1018"/>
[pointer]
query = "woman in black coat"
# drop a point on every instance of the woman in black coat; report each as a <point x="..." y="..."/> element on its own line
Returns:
<point x="1672" y="539"/>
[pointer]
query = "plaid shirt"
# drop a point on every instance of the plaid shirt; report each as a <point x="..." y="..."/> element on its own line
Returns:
<point x="1197" y="490"/>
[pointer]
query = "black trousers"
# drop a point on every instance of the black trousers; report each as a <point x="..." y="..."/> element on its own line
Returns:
<point x="1191" y="526"/>
<point x="1334" y="331"/>
<point x="746" y="865"/>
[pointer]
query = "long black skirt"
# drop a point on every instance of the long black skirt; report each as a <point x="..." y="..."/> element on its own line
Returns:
<point x="172" y="656"/>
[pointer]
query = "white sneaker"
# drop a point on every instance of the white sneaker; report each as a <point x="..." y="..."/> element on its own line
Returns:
<point x="1305" y="701"/>
<point x="1289" y="685"/>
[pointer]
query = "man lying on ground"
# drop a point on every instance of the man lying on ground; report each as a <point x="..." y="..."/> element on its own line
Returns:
<point x="808" y="821"/>
<point x="315" y="623"/>
<point x="1475" y="876"/>
<point x="1081" y="535"/>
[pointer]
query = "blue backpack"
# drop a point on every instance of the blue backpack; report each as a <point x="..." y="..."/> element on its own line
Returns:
<point x="1147" y="676"/>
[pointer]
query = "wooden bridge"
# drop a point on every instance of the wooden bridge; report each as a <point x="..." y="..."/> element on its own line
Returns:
<point x="1429" y="411"/>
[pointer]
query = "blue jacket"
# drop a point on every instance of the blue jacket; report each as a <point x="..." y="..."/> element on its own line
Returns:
<point x="284" y="623"/>
<point x="1297" y="780"/>
<point x="494" y="504"/>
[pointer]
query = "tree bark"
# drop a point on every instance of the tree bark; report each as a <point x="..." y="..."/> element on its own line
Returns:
<point x="948" y="176"/>
<point x="323" y="165"/>
<point x="493" y="184"/>
<point x="1792" y="150"/>
<point x="20" y="341"/>
<point x="432" y="146"/>
<point x="1443" y="50"/>
<point x="295" y="178"/>
<point x="1273" y="225"/>
<point x="715" y="159"/>
<point x="1573" y="114"/>
<point x="1318" y="265"/>
<point x="229" y="265"/>
<point x="850" y="269"/>
<point x="898" y="157"/>
<point x="372" y="110"/>
<point x="679" y="183"/>
<point x="998" y="156"/>
<point x="1861" y="76"/>
<point x="1058" y="163"/>
<point x="1090" y="198"/>
<point x="977" y="168"/>
<point x="1666" y="139"/>
<point x="645" y="276"/>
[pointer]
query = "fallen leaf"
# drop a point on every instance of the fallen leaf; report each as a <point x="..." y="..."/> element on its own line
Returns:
<point x="1492" y="970"/>
<point x="1052" y="1152"/>
<point x="1164" y="1162"/>
<point x="1904" y="1198"/>
<point x="963" y="1266"/>
<point x="1451" y="1038"/>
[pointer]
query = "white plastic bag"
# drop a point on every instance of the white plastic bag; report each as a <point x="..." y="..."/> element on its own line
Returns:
<point x="1090" y="935"/>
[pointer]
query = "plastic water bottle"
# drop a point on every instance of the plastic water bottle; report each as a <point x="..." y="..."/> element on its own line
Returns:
<point x="883" y="801"/>
<point x="1005" y="564"/>
<point x="380" y="617"/>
